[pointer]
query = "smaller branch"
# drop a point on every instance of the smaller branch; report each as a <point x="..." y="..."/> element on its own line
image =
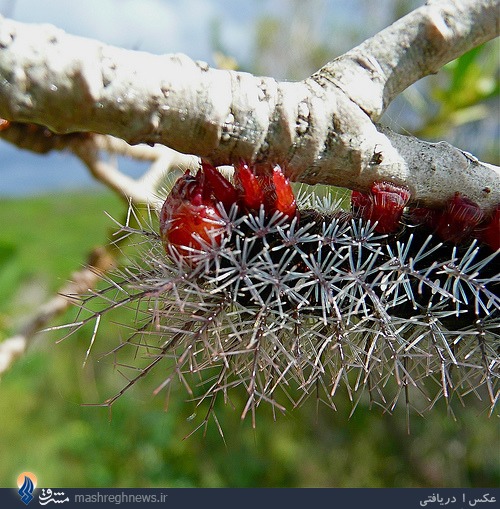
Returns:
<point x="375" y="72"/>
<point x="37" y="138"/>
<point x="107" y="173"/>
<point x="88" y="147"/>
<point x="143" y="190"/>
<point x="143" y="152"/>
<point x="100" y="260"/>
<point x="12" y="349"/>
<point x="120" y="147"/>
<point x="168" y="160"/>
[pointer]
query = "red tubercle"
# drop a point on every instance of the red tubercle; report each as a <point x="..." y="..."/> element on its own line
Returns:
<point x="424" y="216"/>
<point x="460" y="220"/>
<point x="489" y="231"/>
<point x="218" y="185"/>
<point x="250" y="189"/>
<point x="190" y="215"/>
<point x="457" y="222"/>
<point x="285" y="197"/>
<point x="383" y="204"/>
<point x="273" y="191"/>
<point x="360" y="200"/>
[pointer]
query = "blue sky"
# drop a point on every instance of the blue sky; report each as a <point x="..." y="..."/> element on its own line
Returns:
<point x="157" y="26"/>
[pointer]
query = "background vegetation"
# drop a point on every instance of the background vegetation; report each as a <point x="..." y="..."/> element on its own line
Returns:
<point x="45" y="429"/>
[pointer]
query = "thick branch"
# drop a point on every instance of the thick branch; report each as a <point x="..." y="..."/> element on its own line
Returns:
<point x="320" y="132"/>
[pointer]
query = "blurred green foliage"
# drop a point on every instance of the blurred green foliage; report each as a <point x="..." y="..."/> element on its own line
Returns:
<point x="464" y="93"/>
<point x="45" y="429"/>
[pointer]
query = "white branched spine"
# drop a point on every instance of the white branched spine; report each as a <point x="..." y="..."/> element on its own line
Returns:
<point x="286" y="310"/>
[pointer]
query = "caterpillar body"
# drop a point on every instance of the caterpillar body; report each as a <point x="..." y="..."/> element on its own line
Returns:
<point x="248" y="285"/>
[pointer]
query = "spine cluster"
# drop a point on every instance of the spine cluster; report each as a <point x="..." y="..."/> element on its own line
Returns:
<point x="284" y="308"/>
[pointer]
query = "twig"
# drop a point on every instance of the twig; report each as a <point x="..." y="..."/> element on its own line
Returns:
<point x="100" y="260"/>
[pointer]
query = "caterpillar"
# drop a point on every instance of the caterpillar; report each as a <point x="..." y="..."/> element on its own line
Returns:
<point x="246" y="284"/>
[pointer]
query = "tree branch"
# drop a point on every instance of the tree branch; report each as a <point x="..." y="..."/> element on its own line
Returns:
<point x="89" y="148"/>
<point x="375" y="72"/>
<point x="321" y="128"/>
<point x="138" y="191"/>
<point x="100" y="261"/>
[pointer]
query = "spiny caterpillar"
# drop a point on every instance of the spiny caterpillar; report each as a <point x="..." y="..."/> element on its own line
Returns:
<point x="247" y="285"/>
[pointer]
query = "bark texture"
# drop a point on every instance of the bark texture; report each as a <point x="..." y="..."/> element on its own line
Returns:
<point x="320" y="129"/>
